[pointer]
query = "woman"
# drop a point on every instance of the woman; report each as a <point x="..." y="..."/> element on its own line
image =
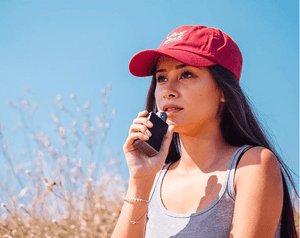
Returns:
<point x="216" y="174"/>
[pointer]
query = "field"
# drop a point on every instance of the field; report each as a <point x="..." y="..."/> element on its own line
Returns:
<point x="62" y="182"/>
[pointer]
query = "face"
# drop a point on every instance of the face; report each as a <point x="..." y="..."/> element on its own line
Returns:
<point x="189" y="95"/>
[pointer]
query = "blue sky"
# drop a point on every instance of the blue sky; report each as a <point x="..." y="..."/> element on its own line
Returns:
<point x="64" y="47"/>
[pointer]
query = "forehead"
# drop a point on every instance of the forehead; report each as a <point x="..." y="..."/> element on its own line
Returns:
<point x="165" y="64"/>
<point x="164" y="61"/>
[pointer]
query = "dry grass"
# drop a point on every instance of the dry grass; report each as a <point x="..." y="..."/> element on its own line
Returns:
<point x="63" y="183"/>
<point x="97" y="219"/>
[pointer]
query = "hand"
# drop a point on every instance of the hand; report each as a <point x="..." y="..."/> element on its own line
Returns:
<point x="139" y="164"/>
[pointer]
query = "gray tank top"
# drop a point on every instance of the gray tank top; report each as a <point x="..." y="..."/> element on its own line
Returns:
<point x="213" y="221"/>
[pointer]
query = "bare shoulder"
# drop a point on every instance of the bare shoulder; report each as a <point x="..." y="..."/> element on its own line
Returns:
<point x="259" y="170"/>
<point x="259" y="194"/>
<point x="257" y="155"/>
<point x="259" y="158"/>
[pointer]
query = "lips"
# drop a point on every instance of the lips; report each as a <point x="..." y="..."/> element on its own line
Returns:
<point x="172" y="108"/>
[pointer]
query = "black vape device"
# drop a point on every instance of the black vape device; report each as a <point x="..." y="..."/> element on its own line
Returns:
<point x="159" y="129"/>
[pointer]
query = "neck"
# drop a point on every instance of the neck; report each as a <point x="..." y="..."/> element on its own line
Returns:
<point x="203" y="151"/>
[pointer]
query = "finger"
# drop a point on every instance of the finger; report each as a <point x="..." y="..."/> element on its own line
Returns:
<point x="128" y="145"/>
<point x="167" y="140"/>
<point x="143" y="120"/>
<point x="138" y="135"/>
<point x="143" y="113"/>
<point x="139" y="128"/>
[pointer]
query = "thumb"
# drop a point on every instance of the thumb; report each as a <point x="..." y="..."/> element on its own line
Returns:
<point x="167" y="140"/>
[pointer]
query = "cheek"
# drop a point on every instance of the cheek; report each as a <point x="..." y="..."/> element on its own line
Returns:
<point x="157" y="95"/>
<point x="194" y="98"/>
<point x="157" y="99"/>
<point x="203" y="101"/>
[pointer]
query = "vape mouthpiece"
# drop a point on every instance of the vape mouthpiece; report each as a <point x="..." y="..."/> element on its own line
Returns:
<point x="162" y="115"/>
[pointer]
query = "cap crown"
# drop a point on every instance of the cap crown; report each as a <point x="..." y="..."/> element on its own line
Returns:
<point x="210" y="43"/>
<point x="197" y="46"/>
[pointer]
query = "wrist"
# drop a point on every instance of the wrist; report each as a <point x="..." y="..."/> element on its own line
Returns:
<point x="140" y="188"/>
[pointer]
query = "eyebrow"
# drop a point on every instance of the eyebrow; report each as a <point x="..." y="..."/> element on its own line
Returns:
<point x="177" y="67"/>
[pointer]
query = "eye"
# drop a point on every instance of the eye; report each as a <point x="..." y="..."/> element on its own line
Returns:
<point x="160" y="79"/>
<point x="186" y="74"/>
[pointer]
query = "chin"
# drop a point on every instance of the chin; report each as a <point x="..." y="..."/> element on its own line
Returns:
<point x="177" y="127"/>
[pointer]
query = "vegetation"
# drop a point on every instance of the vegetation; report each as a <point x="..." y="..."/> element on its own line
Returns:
<point x="63" y="182"/>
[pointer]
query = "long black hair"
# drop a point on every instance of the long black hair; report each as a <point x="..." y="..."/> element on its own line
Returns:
<point x="239" y="127"/>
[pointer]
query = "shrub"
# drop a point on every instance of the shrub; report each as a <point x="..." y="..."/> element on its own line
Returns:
<point x="65" y="182"/>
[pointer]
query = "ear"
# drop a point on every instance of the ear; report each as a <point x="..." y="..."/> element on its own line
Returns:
<point x="222" y="97"/>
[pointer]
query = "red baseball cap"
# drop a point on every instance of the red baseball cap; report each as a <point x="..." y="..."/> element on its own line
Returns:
<point x="197" y="46"/>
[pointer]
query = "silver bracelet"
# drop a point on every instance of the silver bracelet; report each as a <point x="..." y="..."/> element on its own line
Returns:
<point x="135" y="200"/>
<point x="133" y="222"/>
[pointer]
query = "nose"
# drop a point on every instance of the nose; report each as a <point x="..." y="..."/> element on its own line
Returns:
<point x="170" y="92"/>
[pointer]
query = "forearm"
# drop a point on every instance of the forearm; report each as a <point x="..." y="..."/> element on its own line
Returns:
<point x="134" y="212"/>
<point x="142" y="171"/>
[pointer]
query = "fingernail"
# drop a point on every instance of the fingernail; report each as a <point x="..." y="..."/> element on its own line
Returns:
<point x="149" y="123"/>
<point x="148" y="133"/>
<point x="146" y="137"/>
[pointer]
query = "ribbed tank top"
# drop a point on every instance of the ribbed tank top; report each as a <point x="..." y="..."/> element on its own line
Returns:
<point x="214" y="221"/>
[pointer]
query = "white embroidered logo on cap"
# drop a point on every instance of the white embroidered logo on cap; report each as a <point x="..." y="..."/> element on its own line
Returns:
<point x="174" y="37"/>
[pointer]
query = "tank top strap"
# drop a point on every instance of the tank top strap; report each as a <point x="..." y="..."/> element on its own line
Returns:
<point x="229" y="179"/>
<point x="158" y="179"/>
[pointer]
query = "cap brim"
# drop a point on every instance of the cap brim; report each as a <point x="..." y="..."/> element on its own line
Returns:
<point x="143" y="63"/>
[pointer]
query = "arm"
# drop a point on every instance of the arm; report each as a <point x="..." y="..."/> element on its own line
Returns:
<point x="134" y="211"/>
<point x="142" y="170"/>
<point x="259" y="195"/>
